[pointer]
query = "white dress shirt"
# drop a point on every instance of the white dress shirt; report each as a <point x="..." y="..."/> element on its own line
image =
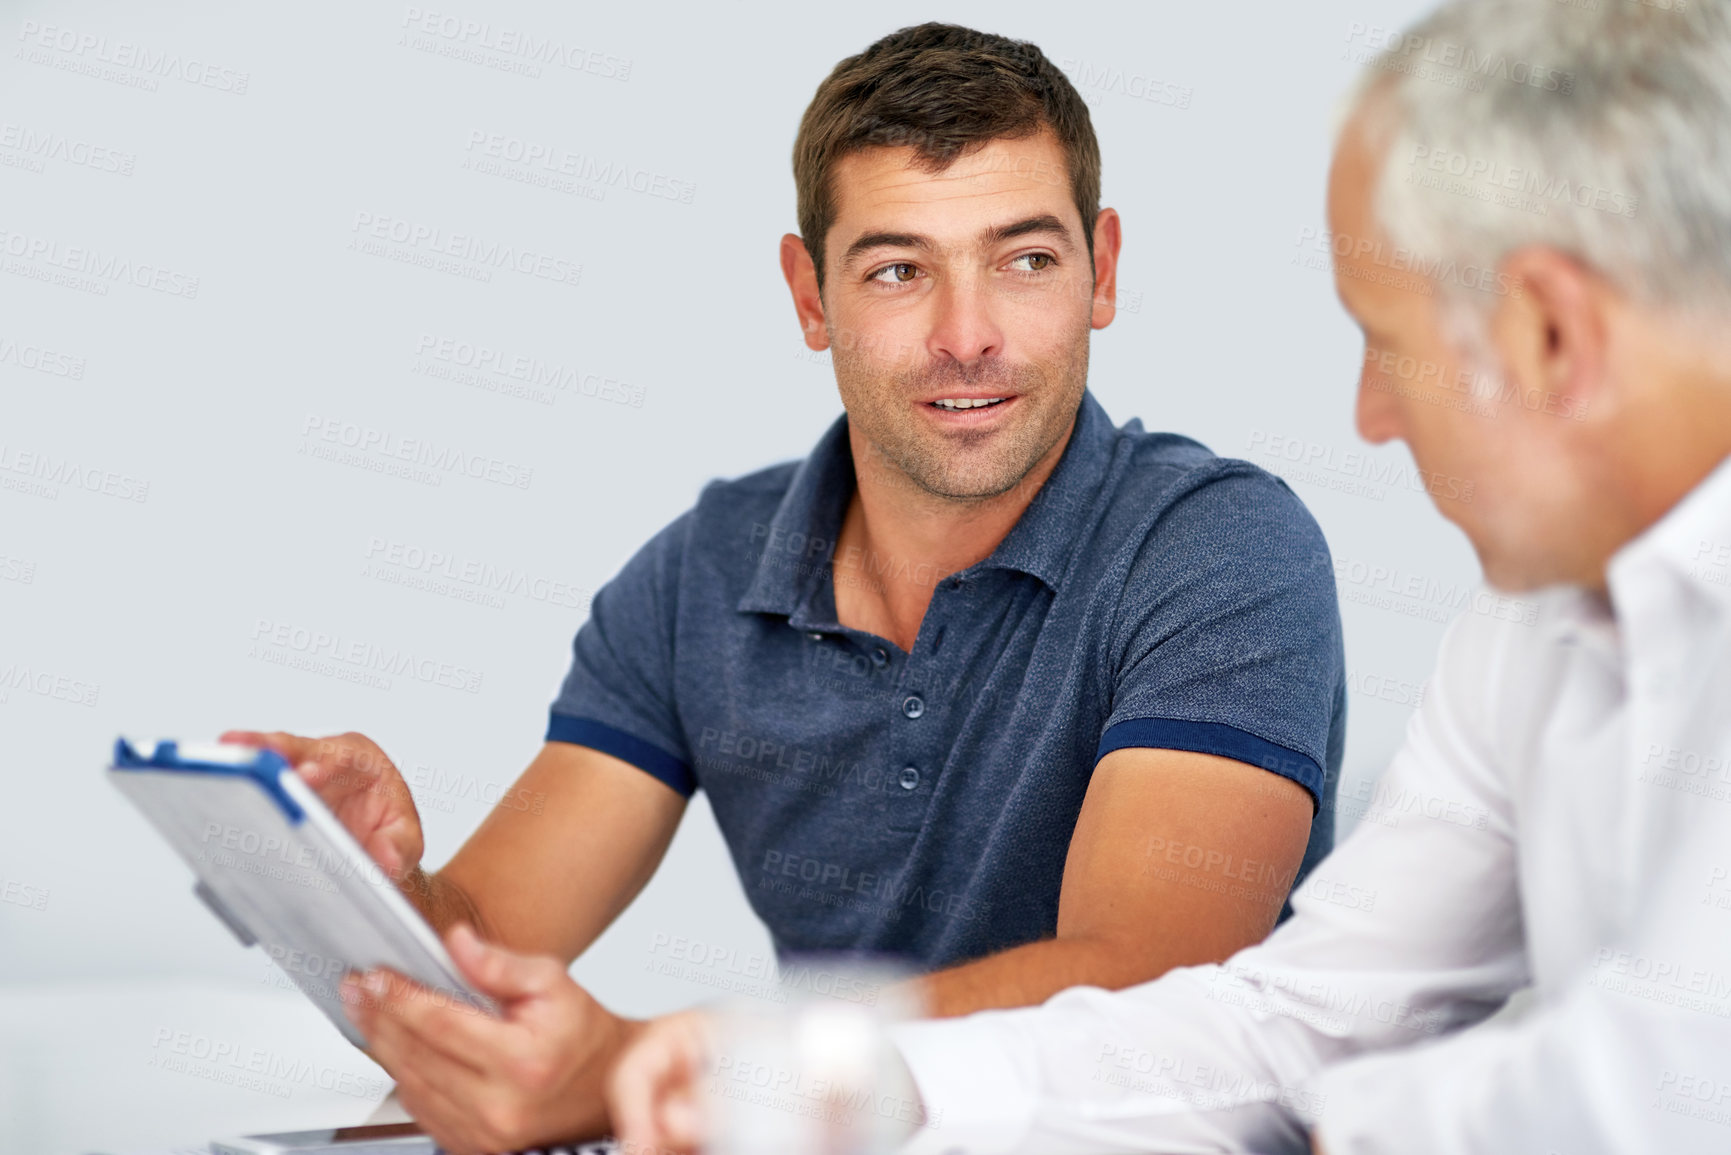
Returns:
<point x="1559" y="817"/>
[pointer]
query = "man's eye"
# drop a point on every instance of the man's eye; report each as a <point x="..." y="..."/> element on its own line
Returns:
<point x="1032" y="262"/>
<point x="899" y="274"/>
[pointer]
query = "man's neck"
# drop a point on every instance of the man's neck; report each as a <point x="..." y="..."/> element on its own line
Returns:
<point x="1669" y="436"/>
<point x="1674" y="432"/>
<point x="898" y="540"/>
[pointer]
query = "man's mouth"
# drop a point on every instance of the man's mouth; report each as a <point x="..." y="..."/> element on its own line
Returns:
<point x="956" y="404"/>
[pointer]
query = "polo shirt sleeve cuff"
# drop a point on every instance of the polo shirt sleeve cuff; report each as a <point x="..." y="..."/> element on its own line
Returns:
<point x="1218" y="739"/>
<point x="978" y="1099"/>
<point x="646" y="756"/>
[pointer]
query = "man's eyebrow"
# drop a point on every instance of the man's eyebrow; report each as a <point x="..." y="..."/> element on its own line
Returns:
<point x="995" y="235"/>
<point x="886" y="240"/>
<point x="1044" y="223"/>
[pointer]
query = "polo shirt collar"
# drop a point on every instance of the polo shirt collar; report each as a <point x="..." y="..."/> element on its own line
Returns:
<point x="1040" y="542"/>
<point x="800" y="539"/>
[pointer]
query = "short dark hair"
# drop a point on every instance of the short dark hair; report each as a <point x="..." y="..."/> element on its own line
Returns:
<point x="945" y="91"/>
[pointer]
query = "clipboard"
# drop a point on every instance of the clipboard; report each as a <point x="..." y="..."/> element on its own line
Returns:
<point x="277" y="868"/>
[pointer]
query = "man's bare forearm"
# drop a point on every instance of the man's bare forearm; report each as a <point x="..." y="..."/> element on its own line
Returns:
<point x="1027" y="975"/>
<point x="442" y="903"/>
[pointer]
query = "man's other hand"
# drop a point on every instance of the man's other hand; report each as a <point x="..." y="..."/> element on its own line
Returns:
<point x="359" y="784"/>
<point x="678" y="1087"/>
<point x="475" y="1083"/>
<point x="654" y="1094"/>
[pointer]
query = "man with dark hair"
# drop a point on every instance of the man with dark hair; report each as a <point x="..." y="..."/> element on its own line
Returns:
<point x="941" y="91"/>
<point x="985" y="684"/>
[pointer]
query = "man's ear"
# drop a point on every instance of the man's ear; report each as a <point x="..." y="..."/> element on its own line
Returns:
<point x="801" y="277"/>
<point x="1108" y="238"/>
<point x="1551" y="332"/>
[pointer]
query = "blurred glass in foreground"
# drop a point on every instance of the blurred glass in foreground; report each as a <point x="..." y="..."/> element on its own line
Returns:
<point x="815" y="1074"/>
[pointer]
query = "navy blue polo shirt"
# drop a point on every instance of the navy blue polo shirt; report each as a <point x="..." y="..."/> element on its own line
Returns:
<point x="921" y="804"/>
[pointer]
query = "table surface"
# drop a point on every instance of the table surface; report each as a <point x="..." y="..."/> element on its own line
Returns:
<point x="165" y="1066"/>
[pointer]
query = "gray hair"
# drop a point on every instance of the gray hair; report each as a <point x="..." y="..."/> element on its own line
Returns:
<point x="1600" y="128"/>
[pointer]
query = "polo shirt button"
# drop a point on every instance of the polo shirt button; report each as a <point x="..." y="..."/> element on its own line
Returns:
<point x="815" y="636"/>
<point x="880" y="657"/>
<point x="910" y="777"/>
<point x="913" y="705"/>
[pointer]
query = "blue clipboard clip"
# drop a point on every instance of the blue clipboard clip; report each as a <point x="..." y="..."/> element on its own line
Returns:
<point x="263" y="766"/>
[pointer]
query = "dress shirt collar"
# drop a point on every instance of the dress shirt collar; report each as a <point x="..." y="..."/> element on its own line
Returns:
<point x="1684" y="558"/>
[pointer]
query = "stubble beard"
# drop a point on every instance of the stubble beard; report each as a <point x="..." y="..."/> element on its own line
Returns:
<point x="878" y="406"/>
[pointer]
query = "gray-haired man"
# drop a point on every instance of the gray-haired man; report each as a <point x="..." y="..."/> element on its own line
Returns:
<point x="1558" y="817"/>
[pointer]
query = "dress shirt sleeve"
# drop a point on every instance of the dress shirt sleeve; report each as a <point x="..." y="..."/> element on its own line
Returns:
<point x="1410" y="929"/>
<point x="1632" y="1056"/>
<point x="1600" y="1072"/>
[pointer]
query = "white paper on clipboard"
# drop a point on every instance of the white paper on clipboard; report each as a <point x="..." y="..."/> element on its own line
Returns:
<point x="281" y="872"/>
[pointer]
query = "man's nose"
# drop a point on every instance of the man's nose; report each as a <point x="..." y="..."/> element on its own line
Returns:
<point x="1377" y="412"/>
<point x="964" y="327"/>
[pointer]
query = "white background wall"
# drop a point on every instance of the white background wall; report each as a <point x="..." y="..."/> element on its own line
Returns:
<point x="147" y="610"/>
